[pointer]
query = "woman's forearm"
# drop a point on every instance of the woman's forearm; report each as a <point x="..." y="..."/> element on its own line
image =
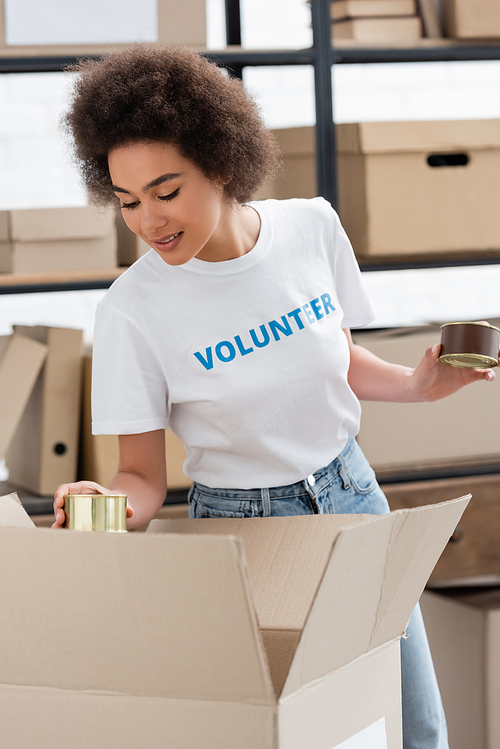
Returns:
<point x="144" y="496"/>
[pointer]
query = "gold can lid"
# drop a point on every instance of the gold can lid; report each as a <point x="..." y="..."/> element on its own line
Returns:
<point x="469" y="361"/>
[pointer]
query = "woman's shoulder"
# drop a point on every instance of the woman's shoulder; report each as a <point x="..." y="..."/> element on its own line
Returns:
<point x="315" y="207"/>
<point x="128" y="288"/>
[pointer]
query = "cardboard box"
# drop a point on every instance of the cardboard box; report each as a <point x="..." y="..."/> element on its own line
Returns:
<point x="21" y="360"/>
<point x="391" y="201"/>
<point x="472" y="556"/>
<point x="394" y="202"/>
<point x="297" y="178"/>
<point x="387" y="29"/>
<point x="401" y="438"/>
<point x="179" y="22"/>
<point x="99" y="453"/>
<point x="289" y="638"/>
<point x="472" y="19"/>
<point x="464" y="637"/>
<point x="371" y="8"/>
<point x="44" y="450"/>
<point x="44" y="239"/>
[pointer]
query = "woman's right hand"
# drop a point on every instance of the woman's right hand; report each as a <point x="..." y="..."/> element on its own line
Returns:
<point x="80" y="487"/>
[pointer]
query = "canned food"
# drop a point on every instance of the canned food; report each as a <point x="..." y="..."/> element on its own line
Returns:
<point x="96" y="512"/>
<point x="471" y="345"/>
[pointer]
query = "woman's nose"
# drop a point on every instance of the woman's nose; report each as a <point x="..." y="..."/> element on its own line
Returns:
<point x="152" y="218"/>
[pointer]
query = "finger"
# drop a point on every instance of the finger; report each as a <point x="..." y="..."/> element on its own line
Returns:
<point x="130" y="511"/>
<point x="432" y="354"/>
<point x="485" y="374"/>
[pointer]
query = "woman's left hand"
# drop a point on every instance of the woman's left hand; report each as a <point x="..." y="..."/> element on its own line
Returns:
<point x="433" y="380"/>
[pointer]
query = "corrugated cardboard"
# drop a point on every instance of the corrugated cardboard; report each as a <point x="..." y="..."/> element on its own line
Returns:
<point x="148" y="639"/>
<point x="377" y="29"/>
<point x="99" y="453"/>
<point x="44" y="239"/>
<point x="391" y="201"/>
<point x="13" y="514"/>
<point x="403" y="437"/>
<point x="465" y="19"/>
<point x="21" y="360"/>
<point x="371" y="8"/>
<point x="464" y="636"/>
<point x="44" y="450"/>
<point x="472" y="557"/>
<point x="179" y="21"/>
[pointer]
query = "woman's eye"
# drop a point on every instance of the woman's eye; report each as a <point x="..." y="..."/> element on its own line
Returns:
<point x="130" y="205"/>
<point x="170" y="196"/>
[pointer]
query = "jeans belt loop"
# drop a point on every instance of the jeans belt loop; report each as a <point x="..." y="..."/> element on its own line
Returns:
<point x="266" y="503"/>
<point x="344" y="475"/>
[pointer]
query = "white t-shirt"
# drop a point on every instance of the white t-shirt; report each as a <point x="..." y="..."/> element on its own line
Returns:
<point x="244" y="359"/>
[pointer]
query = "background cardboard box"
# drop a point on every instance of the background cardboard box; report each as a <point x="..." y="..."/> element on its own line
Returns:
<point x="176" y="635"/>
<point x="400" y="438"/>
<point x="44" y="239"/>
<point x="391" y="201"/>
<point x="472" y="19"/>
<point x="472" y="556"/>
<point x="464" y="636"/>
<point x="387" y="29"/>
<point x="44" y="449"/>
<point x="179" y="21"/>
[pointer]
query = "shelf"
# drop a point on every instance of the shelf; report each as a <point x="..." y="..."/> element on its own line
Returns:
<point x="76" y="280"/>
<point x="422" y="50"/>
<point x="408" y="262"/>
<point x="344" y="51"/>
<point x="321" y="56"/>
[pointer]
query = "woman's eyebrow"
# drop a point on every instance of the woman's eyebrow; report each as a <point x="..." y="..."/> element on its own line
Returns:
<point x="154" y="182"/>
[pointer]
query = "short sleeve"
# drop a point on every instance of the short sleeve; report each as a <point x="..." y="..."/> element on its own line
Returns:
<point x="129" y="388"/>
<point x="352" y="294"/>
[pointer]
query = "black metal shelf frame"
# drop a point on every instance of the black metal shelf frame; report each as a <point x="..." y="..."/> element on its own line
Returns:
<point x="322" y="56"/>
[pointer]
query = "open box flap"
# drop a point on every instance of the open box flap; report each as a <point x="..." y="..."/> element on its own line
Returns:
<point x="12" y="512"/>
<point x="373" y="581"/>
<point x="426" y="136"/>
<point x="130" y="614"/>
<point x="286" y="558"/>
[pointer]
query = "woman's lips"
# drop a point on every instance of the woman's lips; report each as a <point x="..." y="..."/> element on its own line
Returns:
<point x="170" y="242"/>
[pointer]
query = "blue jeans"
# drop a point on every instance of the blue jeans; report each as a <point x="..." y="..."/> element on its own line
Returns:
<point x="347" y="486"/>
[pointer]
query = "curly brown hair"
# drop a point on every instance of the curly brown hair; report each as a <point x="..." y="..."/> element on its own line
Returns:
<point x="152" y="93"/>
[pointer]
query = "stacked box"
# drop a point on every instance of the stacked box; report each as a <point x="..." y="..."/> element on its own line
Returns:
<point x="38" y="240"/>
<point x="375" y="20"/>
<point x="472" y="19"/>
<point x="463" y="627"/>
<point x="406" y="188"/>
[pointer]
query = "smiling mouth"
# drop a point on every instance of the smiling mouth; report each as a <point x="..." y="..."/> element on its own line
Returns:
<point x="170" y="239"/>
<point x="169" y="243"/>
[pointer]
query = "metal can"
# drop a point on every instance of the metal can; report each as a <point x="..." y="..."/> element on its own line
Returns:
<point x="96" y="512"/>
<point x="470" y="345"/>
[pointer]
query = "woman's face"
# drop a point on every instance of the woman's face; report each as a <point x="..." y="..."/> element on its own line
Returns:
<point x="169" y="203"/>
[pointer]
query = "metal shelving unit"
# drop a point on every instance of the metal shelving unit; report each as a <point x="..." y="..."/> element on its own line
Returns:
<point x="321" y="56"/>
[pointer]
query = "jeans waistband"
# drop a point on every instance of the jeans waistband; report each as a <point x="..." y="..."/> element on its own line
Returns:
<point x="310" y="485"/>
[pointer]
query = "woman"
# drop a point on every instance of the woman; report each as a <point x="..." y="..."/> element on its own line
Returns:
<point x="234" y="329"/>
